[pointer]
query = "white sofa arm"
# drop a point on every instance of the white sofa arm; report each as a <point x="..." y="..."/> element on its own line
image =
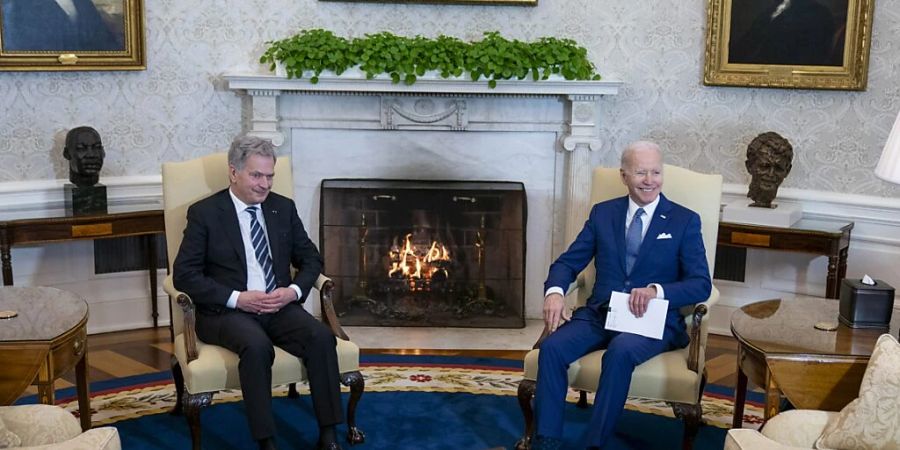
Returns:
<point x="103" y="438"/>
<point x="746" y="439"/>
<point x="46" y="427"/>
<point x="40" y="424"/>
<point x="797" y="428"/>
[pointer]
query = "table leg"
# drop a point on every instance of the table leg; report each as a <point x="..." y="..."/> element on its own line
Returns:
<point x="773" y="397"/>
<point x="151" y="264"/>
<point x="740" y="396"/>
<point x="832" y="289"/>
<point x="842" y="267"/>
<point x="84" y="397"/>
<point x="6" y="258"/>
<point x="46" y="394"/>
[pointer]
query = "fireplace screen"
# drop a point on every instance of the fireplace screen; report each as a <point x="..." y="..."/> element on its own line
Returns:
<point x="425" y="253"/>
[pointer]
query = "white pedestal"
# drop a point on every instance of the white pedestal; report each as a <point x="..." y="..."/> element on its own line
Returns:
<point x="740" y="211"/>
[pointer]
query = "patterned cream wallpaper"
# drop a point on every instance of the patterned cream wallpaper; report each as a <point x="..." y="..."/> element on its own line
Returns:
<point x="178" y="108"/>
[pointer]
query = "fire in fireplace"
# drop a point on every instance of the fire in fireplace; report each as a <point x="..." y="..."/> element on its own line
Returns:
<point x="425" y="253"/>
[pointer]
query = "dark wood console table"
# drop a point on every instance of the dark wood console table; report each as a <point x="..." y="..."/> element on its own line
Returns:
<point x="22" y="231"/>
<point x="818" y="237"/>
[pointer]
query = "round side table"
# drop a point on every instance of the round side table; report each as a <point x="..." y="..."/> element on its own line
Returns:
<point x="46" y="339"/>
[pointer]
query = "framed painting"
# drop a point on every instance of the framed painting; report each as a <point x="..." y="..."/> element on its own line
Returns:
<point x="58" y="35"/>
<point x="808" y="44"/>
<point x="448" y="2"/>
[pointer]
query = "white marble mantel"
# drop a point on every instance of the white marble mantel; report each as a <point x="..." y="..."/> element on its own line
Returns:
<point x="546" y="129"/>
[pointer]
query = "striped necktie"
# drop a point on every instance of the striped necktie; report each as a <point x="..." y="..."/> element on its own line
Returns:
<point x="261" y="248"/>
<point x="633" y="240"/>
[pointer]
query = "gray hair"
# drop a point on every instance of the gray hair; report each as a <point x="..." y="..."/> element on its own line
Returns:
<point x="638" y="146"/>
<point x="244" y="147"/>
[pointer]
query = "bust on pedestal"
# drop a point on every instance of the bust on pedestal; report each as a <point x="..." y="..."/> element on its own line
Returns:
<point x="769" y="159"/>
<point x="85" y="153"/>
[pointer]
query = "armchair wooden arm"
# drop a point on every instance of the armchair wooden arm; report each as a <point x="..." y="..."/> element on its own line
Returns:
<point x="189" y="318"/>
<point x="699" y="313"/>
<point x="190" y="324"/>
<point x="326" y="294"/>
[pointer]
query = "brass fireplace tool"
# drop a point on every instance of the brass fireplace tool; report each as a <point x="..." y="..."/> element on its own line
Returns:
<point x="361" y="291"/>
<point x="480" y="245"/>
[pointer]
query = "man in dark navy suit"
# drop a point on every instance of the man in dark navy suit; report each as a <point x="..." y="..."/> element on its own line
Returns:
<point x="57" y="25"/>
<point x="642" y="244"/>
<point x="235" y="262"/>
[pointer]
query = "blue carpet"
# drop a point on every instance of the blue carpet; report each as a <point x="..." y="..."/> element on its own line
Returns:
<point x="405" y="420"/>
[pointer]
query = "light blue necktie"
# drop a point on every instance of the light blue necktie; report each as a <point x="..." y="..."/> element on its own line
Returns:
<point x="633" y="240"/>
<point x="261" y="248"/>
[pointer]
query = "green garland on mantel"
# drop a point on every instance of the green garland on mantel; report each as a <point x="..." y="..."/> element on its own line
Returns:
<point x="407" y="58"/>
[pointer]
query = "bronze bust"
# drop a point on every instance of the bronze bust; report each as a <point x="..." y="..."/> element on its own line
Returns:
<point x="769" y="159"/>
<point x="85" y="154"/>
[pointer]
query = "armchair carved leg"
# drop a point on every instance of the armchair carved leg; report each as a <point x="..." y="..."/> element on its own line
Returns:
<point x="192" y="405"/>
<point x="525" y="394"/>
<point x="357" y="384"/>
<point x="691" y="415"/>
<point x="178" y="377"/>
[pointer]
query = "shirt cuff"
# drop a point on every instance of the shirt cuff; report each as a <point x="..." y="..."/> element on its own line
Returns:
<point x="232" y="300"/>
<point x="660" y="292"/>
<point x="554" y="290"/>
<point x="297" y="290"/>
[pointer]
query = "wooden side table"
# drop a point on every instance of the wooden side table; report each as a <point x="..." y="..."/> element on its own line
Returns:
<point x="817" y="237"/>
<point x="780" y="350"/>
<point x="45" y="340"/>
<point x="22" y="231"/>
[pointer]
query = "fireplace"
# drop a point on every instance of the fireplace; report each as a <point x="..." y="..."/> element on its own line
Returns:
<point x="425" y="253"/>
<point x="546" y="134"/>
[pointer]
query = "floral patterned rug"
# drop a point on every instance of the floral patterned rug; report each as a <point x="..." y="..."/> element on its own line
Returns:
<point x="398" y="374"/>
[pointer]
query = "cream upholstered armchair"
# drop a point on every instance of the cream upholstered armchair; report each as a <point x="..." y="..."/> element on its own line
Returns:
<point x="676" y="377"/>
<point x="201" y="369"/>
<point x="46" y="427"/>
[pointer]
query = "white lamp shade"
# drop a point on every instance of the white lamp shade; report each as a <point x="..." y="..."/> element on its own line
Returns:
<point x="888" y="168"/>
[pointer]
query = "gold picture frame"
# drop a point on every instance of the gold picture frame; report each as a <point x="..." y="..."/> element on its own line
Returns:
<point x="788" y="44"/>
<point x="448" y="2"/>
<point x="46" y="35"/>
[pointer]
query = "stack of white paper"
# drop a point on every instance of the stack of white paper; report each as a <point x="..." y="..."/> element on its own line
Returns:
<point x="620" y="318"/>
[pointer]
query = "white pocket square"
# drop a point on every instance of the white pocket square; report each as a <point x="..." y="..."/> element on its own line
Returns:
<point x="664" y="236"/>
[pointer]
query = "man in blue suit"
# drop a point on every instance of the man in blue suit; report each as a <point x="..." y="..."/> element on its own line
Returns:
<point x="642" y="244"/>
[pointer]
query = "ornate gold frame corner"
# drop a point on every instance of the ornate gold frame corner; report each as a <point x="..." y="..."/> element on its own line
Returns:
<point x="133" y="57"/>
<point x="852" y="75"/>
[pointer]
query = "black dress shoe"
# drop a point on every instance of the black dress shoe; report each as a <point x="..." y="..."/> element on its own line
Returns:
<point x="267" y="444"/>
<point x="329" y="446"/>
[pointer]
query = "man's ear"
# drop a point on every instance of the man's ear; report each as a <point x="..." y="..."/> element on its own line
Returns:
<point x="747" y="164"/>
<point x="789" y="167"/>
<point x="66" y="152"/>
<point x="622" y="176"/>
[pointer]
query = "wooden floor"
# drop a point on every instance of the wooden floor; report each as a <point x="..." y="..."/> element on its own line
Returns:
<point x="136" y="352"/>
